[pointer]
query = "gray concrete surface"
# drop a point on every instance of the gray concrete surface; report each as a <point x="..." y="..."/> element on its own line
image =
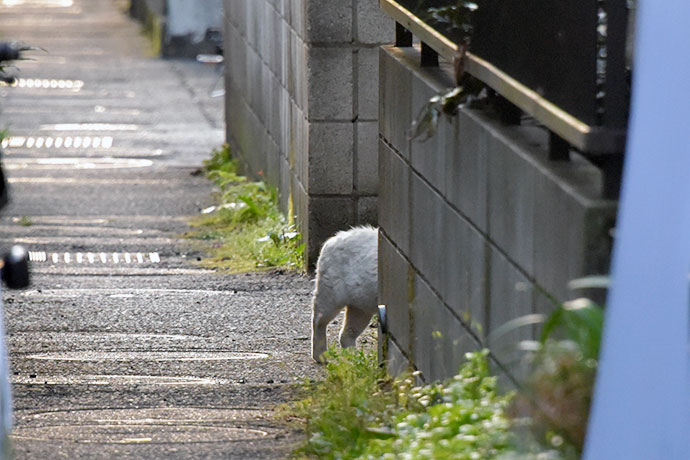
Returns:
<point x="478" y="226"/>
<point x="123" y="347"/>
<point x="302" y="98"/>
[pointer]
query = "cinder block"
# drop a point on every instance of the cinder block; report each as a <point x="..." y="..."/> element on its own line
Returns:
<point x="275" y="36"/>
<point x="367" y="84"/>
<point x="283" y="134"/>
<point x="252" y="23"/>
<point x="326" y="215"/>
<point x="373" y="26"/>
<point x="396" y="362"/>
<point x="330" y="84"/>
<point x="426" y="235"/>
<point x="285" y="53"/>
<point x="512" y="296"/>
<point x="462" y="266"/>
<point x="300" y="205"/>
<point x="440" y="339"/>
<point x="367" y="158"/>
<point x="284" y="8"/>
<point x="262" y="31"/>
<point x="253" y="79"/>
<point x="395" y="101"/>
<point x="263" y="100"/>
<point x="467" y="168"/>
<point x="572" y="228"/>
<point x="329" y="21"/>
<point x="274" y="125"/>
<point x="292" y="62"/>
<point x="429" y="157"/>
<point x="236" y="52"/>
<point x="287" y="193"/>
<point x="394" y="197"/>
<point x="367" y="210"/>
<point x="330" y="158"/>
<point x="301" y="148"/>
<point x="272" y="172"/>
<point x="512" y="204"/>
<point x="395" y="292"/>
<point x="302" y="78"/>
<point x="298" y="14"/>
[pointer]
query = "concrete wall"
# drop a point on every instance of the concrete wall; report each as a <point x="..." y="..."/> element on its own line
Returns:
<point x="177" y="27"/>
<point x="477" y="226"/>
<point x="302" y="105"/>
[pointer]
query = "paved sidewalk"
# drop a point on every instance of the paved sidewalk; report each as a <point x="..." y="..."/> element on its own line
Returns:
<point x="123" y="347"/>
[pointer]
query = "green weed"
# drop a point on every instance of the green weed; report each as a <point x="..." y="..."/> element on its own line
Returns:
<point x="359" y="412"/>
<point x="339" y="410"/>
<point x="245" y="231"/>
<point x="25" y="221"/>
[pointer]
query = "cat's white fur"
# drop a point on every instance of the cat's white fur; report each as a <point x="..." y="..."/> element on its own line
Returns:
<point x="346" y="277"/>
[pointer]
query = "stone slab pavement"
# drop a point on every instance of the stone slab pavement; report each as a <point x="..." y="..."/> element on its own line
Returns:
<point x="123" y="347"/>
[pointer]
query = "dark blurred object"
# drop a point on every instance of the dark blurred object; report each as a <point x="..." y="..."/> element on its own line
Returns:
<point x="15" y="270"/>
<point x="12" y="51"/>
<point x="3" y="188"/>
<point x="214" y="37"/>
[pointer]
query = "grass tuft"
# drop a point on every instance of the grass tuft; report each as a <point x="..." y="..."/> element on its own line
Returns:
<point x="245" y="231"/>
<point x="359" y="412"/>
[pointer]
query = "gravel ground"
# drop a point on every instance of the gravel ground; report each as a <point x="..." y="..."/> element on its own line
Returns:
<point x="123" y="346"/>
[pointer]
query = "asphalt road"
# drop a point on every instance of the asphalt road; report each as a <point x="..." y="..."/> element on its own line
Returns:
<point x="123" y="346"/>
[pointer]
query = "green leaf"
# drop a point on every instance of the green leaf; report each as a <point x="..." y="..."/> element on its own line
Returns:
<point x="580" y="321"/>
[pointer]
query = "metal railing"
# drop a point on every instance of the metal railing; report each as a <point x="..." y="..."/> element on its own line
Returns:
<point x="563" y="63"/>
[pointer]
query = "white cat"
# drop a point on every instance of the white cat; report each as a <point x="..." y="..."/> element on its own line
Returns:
<point x="346" y="277"/>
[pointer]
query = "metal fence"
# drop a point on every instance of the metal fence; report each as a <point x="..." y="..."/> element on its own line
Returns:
<point x="563" y="62"/>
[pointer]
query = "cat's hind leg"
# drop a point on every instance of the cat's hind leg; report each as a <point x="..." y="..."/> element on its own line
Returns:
<point x="356" y="321"/>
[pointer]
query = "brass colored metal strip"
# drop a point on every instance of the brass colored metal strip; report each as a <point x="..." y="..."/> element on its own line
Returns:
<point x="579" y="134"/>
<point x="439" y="43"/>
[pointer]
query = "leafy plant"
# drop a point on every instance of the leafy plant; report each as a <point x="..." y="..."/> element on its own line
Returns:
<point x="456" y="19"/>
<point x="339" y="411"/>
<point x="246" y="230"/>
<point x="425" y="124"/>
<point x="457" y="22"/>
<point x="358" y="411"/>
<point x="463" y="418"/>
<point x="557" y="394"/>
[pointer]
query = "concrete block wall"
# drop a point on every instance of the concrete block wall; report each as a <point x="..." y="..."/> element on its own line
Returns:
<point x="302" y="105"/>
<point x="477" y="226"/>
